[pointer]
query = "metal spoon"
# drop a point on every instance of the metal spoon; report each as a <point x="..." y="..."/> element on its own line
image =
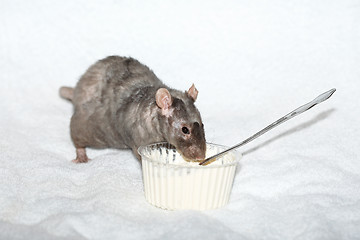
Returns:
<point x="288" y="116"/>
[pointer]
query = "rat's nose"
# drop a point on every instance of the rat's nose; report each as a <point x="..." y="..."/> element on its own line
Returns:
<point x="196" y="153"/>
<point x="199" y="159"/>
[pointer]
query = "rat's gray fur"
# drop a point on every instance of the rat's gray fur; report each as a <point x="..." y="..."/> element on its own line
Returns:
<point x="115" y="107"/>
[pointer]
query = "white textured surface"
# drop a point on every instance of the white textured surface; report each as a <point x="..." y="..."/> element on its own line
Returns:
<point x="252" y="61"/>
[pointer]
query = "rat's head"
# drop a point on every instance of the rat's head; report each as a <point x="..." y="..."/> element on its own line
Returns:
<point x="181" y="122"/>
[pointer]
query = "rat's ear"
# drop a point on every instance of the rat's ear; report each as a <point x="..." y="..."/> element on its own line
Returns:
<point x="192" y="92"/>
<point x="163" y="98"/>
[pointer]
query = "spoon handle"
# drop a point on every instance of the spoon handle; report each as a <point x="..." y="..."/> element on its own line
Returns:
<point x="288" y="116"/>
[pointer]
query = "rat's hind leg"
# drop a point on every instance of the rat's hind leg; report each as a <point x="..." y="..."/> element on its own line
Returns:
<point x="81" y="156"/>
<point x="79" y="137"/>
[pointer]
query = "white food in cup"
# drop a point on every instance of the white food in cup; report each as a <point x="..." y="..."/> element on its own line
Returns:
<point x="172" y="183"/>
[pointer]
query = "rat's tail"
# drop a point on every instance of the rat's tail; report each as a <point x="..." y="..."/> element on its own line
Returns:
<point x="66" y="92"/>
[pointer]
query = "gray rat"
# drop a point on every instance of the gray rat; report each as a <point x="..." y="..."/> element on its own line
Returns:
<point x="120" y="103"/>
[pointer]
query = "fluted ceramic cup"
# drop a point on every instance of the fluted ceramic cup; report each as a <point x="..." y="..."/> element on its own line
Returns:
<point x="172" y="183"/>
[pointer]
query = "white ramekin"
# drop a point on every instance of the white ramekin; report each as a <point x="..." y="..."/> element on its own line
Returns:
<point x="172" y="183"/>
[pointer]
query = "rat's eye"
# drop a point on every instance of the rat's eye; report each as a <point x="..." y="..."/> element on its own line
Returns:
<point x="185" y="130"/>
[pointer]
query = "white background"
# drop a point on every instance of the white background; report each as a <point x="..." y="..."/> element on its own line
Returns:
<point x="252" y="62"/>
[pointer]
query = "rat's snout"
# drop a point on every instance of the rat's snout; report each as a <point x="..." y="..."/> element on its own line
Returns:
<point x="190" y="140"/>
<point x="194" y="153"/>
<point x="196" y="148"/>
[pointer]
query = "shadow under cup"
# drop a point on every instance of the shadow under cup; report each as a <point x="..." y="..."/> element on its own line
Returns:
<point x="172" y="183"/>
